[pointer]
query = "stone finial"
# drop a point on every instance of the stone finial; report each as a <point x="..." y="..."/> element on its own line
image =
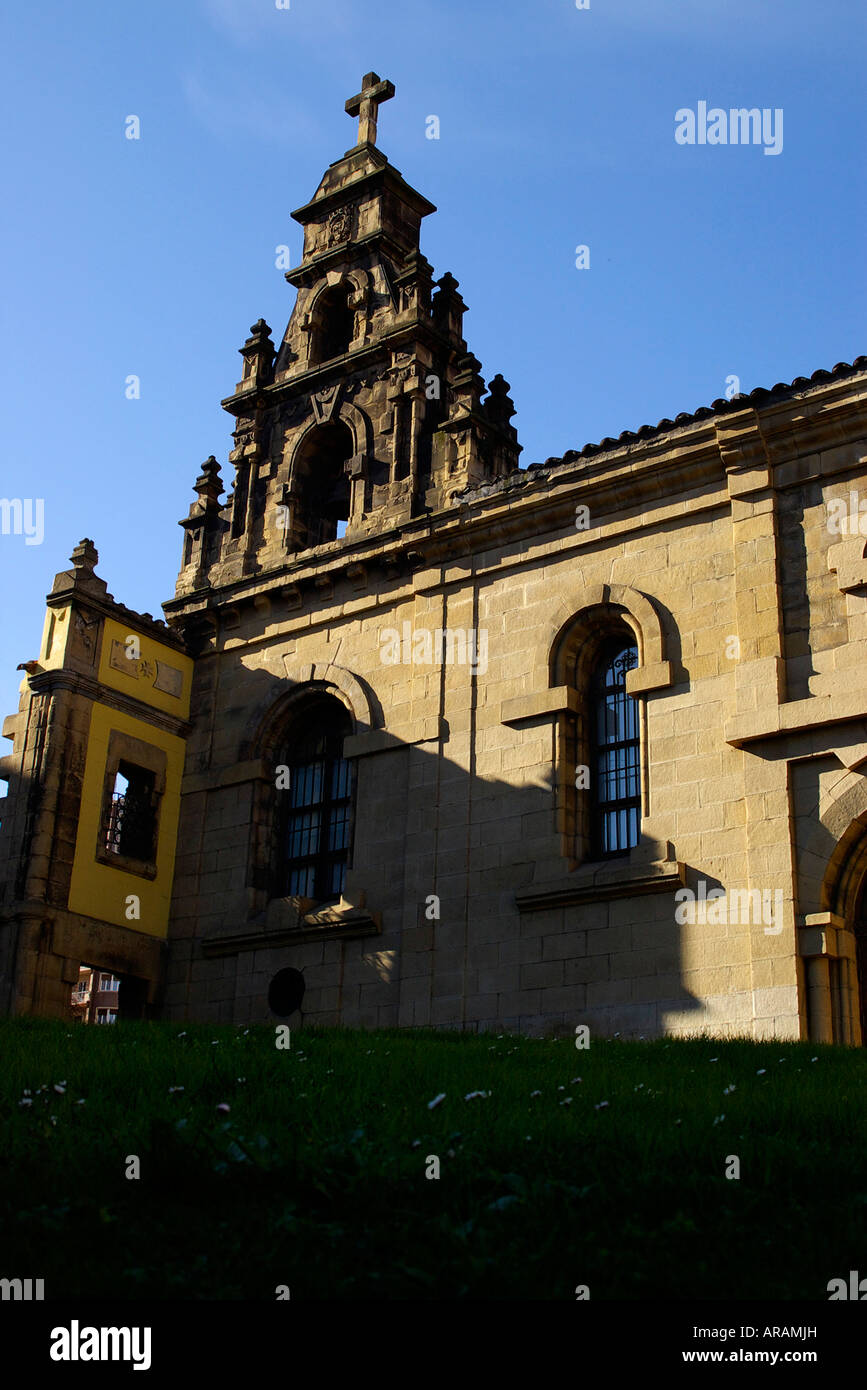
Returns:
<point x="85" y="558"/>
<point x="448" y="307"/>
<point x="499" y="407"/>
<point x="258" y="355"/>
<point x="209" y="484"/>
<point x="366" y="105"/>
<point x="415" y="279"/>
<point x="468" y="384"/>
<point x="81" y="577"/>
<point x="259" y="339"/>
<point x="447" y="284"/>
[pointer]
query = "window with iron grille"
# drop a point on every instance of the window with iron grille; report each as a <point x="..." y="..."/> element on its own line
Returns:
<point x="316" y="821"/>
<point x="616" y="774"/>
<point x="131" y="822"/>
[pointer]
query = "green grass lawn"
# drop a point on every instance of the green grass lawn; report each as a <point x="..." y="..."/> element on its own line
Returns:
<point x="315" y="1176"/>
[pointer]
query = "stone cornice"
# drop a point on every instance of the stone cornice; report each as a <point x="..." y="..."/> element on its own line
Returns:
<point x="107" y="607"/>
<point x="373" y="354"/>
<point x="796" y="716"/>
<point x="379" y="242"/>
<point x="428" y="551"/>
<point x="313" y="927"/>
<point x="541" y="705"/>
<point x="595" y="883"/>
<point x="684" y="472"/>
<point x="816" y="404"/>
<point x="58" y="679"/>
<point x="370" y="182"/>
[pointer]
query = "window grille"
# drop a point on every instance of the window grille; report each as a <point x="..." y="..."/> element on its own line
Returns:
<point x="617" y="750"/>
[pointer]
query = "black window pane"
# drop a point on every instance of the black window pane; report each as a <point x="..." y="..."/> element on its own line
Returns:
<point x="340" y="779"/>
<point x="338" y="828"/>
<point x="304" y="835"/>
<point x="306" y="784"/>
<point x="301" y="882"/>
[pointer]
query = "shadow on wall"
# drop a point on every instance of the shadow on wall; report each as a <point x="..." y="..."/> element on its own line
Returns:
<point x="428" y="931"/>
<point x="459" y="907"/>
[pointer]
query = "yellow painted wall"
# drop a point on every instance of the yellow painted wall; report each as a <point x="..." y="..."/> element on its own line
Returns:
<point x="136" y="678"/>
<point x="99" y="890"/>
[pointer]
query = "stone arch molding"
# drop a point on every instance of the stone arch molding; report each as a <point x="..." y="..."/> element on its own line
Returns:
<point x="335" y="411"/>
<point x="550" y="695"/>
<point x="304" y="680"/>
<point x="358" y="277"/>
<point x="654" y="670"/>
<point x="360" y="297"/>
<point x="832" y="881"/>
<point x="349" y="688"/>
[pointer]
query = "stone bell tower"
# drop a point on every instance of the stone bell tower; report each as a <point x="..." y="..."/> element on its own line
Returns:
<point x="370" y="412"/>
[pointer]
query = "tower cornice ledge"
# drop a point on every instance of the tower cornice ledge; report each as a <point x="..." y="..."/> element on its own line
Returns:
<point x="358" y="360"/>
<point x="372" y="180"/>
<point x="313" y="268"/>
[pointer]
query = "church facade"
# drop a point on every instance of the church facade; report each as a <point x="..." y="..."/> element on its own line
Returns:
<point x="429" y="739"/>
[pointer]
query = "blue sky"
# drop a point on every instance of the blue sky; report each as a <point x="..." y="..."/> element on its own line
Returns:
<point x="153" y="257"/>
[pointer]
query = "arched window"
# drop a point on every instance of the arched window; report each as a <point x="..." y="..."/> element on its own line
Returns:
<point x="314" y="823"/>
<point x="599" y="747"/>
<point x="615" y="774"/>
<point x="334" y="327"/>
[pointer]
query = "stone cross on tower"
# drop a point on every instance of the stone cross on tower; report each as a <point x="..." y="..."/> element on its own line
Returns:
<point x="365" y="105"/>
